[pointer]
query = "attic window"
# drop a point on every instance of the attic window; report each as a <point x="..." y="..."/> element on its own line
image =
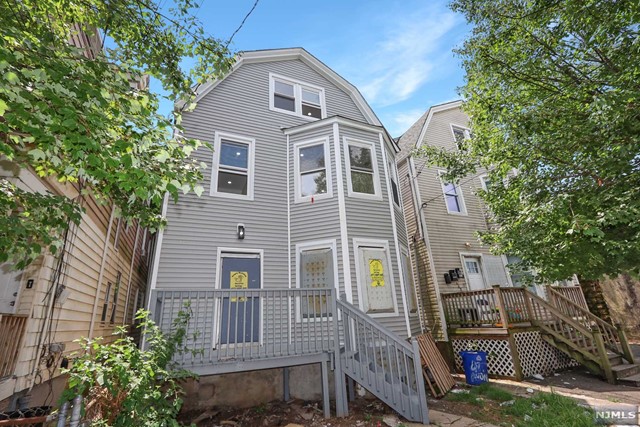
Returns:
<point x="296" y="98"/>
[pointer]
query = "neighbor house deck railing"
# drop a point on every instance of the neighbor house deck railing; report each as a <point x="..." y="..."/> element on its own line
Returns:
<point x="12" y="328"/>
<point x="249" y="324"/>
<point x="496" y="307"/>
<point x="573" y="293"/>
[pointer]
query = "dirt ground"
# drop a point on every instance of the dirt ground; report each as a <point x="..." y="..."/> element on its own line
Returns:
<point x="362" y="413"/>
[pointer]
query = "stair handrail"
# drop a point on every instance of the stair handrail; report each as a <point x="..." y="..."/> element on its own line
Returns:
<point x="608" y="331"/>
<point x="551" y="308"/>
<point x="409" y="352"/>
<point x="353" y="310"/>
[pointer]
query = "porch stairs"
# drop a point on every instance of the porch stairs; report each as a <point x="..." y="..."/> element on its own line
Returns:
<point x="578" y="333"/>
<point x="381" y="362"/>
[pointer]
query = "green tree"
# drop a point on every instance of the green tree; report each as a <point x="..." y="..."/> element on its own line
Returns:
<point x="553" y="92"/>
<point x="72" y="115"/>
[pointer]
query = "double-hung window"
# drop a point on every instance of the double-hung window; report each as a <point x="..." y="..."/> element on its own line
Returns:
<point x="362" y="169"/>
<point x="233" y="160"/>
<point x="453" y="197"/>
<point x="313" y="177"/>
<point x="295" y="97"/>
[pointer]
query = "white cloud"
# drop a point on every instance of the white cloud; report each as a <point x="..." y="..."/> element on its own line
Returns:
<point x="407" y="50"/>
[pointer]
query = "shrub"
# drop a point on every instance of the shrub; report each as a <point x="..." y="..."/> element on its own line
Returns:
<point x="124" y="385"/>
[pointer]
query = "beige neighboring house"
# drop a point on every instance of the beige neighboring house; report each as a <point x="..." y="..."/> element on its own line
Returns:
<point x="86" y="290"/>
<point x="443" y="218"/>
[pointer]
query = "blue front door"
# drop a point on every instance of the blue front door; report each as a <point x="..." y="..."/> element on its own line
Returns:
<point x="240" y="322"/>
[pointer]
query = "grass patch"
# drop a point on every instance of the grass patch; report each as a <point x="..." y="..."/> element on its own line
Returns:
<point x="549" y="410"/>
<point x="540" y="410"/>
<point x="479" y="393"/>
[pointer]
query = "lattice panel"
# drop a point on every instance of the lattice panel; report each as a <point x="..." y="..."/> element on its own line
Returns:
<point x="538" y="357"/>
<point x="499" y="360"/>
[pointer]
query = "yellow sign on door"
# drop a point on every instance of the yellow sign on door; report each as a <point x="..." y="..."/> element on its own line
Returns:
<point x="376" y="271"/>
<point x="239" y="280"/>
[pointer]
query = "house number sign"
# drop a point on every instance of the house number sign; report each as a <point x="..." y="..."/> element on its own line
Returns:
<point x="376" y="272"/>
<point x="239" y="280"/>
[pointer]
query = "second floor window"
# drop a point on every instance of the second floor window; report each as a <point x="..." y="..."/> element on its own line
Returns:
<point x="362" y="169"/>
<point x="297" y="98"/>
<point x="312" y="175"/>
<point x="453" y="197"/>
<point x="232" y="174"/>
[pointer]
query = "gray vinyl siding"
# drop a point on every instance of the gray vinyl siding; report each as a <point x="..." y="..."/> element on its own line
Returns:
<point x="449" y="234"/>
<point x="371" y="219"/>
<point x="198" y="226"/>
<point x="319" y="220"/>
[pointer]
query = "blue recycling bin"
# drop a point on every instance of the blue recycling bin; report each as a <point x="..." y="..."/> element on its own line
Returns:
<point x="474" y="364"/>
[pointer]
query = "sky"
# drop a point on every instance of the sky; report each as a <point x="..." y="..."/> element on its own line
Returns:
<point x="397" y="53"/>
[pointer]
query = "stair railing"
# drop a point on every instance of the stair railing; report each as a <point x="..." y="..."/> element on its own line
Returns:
<point x="379" y="360"/>
<point x="573" y="332"/>
<point x="614" y="337"/>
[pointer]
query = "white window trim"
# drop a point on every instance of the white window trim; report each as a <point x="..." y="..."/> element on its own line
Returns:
<point x="116" y="239"/>
<point x="219" y="136"/>
<point x="297" y="93"/>
<point x="467" y="132"/>
<point x="217" y="310"/>
<point x="376" y="174"/>
<point x="463" y="205"/>
<point x="482" y="269"/>
<point x="296" y="170"/>
<point x="309" y="246"/>
<point x="376" y="244"/>
<point x="405" y="252"/>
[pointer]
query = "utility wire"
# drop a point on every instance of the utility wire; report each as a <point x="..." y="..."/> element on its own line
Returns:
<point x="242" y="23"/>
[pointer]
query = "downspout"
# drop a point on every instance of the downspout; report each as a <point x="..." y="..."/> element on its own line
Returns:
<point x="105" y="251"/>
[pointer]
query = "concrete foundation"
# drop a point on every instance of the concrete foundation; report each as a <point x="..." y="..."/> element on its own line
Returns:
<point x="252" y="388"/>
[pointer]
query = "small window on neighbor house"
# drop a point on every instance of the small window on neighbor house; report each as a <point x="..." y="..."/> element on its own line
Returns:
<point x="362" y="170"/>
<point x="114" y="304"/>
<point x="301" y="99"/>
<point x="105" y="306"/>
<point x="485" y="182"/>
<point x="233" y="161"/>
<point x="393" y="177"/>
<point x="312" y="175"/>
<point x="453" y="197"/>
<point x="116" y="241"/>
<point x="460" y="134"/>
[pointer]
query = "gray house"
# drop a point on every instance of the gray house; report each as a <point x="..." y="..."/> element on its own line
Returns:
<point x="443" y="217"/>
<point x="297" y="253"/>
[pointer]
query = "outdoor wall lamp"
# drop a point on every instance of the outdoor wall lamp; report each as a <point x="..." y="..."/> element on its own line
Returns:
<point x="241" y="231"/>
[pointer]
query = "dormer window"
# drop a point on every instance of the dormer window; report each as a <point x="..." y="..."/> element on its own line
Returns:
<point x="295" y="97"/>
<point x="460" y="134"/>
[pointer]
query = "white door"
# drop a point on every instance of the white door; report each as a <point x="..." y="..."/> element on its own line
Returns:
<point x="9" y="288"/>
<point x="375" y="280"/>
<point x="473" y="269"/>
